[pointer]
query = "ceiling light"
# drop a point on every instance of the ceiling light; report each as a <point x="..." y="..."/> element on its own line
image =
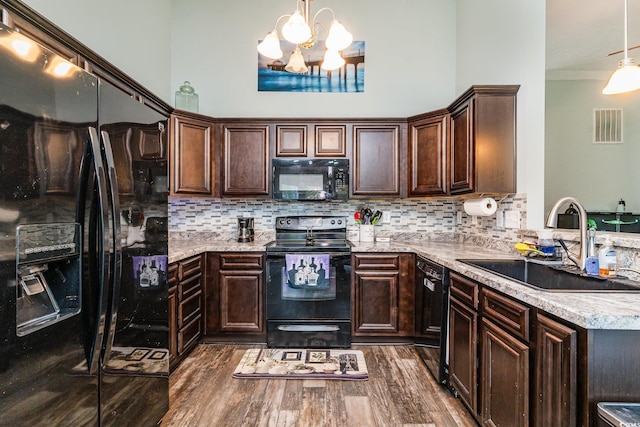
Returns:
<point x="303" y="31"/>
<point x="627" y="77"/>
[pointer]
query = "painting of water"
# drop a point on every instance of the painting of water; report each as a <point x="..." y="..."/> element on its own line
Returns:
<point x="272" y="76"/>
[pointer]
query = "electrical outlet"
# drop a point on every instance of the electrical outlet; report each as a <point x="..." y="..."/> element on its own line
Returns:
<point x="386" y="217"/>
<point x="500" y="219"/>
<point x="459" y="218"/>
<point x="512" y="219"/>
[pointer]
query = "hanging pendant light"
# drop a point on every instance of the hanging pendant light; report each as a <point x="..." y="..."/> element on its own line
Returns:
<point x="627" y="77"/>
<point x="296" y="63"/>
<point x="332" y="60"/>
<point x="270" y="46"/>
<point x="303" y="31"/>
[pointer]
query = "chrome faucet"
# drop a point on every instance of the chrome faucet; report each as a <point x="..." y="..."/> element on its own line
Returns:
<point x="552" y="222"/>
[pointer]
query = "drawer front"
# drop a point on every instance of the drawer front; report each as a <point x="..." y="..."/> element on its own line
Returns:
<point x="189" y="309"/>
<point x="172" y="274"/>
<point x="376" y="262"/>
<point x="190" y="286"/>
<point x="241" y="261"/>
<point x="506" y="313"/>
<point x="464" y="289"/>
<point x="188" y="336"/>
<point x="190" y="267"/>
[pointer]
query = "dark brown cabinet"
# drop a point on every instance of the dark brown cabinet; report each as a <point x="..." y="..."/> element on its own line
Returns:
<point x="193" y="160"/>
<point x="555" y="374"/>
<point x="185" y="306"/>
<point x="428" y="142"/>
<point x="504" y="361"/>
<point x="482" y="156"/>
<point x="330" y="141"/>
<point x="382" y="296"/>
<point x="375" y="165"/>
<point x="235" y="296"/>
<point x="246" y="159"/>
<point x="463" y="348"/>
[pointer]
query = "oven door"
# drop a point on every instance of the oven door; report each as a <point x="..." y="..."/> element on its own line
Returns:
<point x="308" y="286"/>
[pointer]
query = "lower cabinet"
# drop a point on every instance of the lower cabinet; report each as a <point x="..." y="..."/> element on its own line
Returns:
<point x="510" y="364"/>
<point x="185" y="302"/>
<point x="235" y="297"/>
<point x="382" y="296"/>
<point x="555" y="373"/>
<point x="463" y="333"/>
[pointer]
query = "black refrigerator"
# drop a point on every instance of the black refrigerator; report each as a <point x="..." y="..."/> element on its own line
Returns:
<point x="83" y="246"/>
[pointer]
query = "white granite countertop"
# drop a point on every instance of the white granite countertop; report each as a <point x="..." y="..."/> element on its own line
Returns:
<point x="588" y="310"/>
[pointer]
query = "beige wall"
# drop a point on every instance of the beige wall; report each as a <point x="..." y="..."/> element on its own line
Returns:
<point x="420" y="55"/>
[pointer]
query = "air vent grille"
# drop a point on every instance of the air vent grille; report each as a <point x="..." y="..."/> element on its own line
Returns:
<point x="607" y="126"/>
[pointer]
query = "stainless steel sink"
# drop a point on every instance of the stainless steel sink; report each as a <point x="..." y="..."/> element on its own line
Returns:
<point x="552" y="278"/>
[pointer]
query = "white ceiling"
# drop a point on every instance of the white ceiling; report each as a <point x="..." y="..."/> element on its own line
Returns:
<point x="582" y="33"/>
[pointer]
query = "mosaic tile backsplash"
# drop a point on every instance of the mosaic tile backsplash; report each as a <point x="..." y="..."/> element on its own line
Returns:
<point x="408" y="218"/>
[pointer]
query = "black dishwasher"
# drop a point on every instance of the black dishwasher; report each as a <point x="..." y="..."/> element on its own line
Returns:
<point x="431" y="317"/>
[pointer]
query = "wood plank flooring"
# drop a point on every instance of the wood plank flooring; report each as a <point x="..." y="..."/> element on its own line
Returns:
<point x="400" y="392"/>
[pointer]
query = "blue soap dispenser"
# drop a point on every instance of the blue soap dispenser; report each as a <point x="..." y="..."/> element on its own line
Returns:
<point x="592" y="265"/>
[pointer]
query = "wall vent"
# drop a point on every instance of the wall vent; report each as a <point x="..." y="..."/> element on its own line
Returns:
<point x="607" y="126"/>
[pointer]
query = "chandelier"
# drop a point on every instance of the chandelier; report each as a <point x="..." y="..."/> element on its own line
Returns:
<point x="626" y="78"/>
<point x="303" y="32"/>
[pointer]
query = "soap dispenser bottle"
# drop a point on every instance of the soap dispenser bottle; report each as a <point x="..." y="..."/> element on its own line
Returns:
<point x="592" y="266"/>
<point x="607" y="260"/>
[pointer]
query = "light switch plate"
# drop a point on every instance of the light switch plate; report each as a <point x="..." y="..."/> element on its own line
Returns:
<point x="511" y="219"/>
<point x="386" y="217"/>
<point x="459" y="218"/>
<point x="500" y="219"/>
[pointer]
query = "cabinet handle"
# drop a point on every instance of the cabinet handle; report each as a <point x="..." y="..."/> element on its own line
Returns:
<point x="308" y="328"/>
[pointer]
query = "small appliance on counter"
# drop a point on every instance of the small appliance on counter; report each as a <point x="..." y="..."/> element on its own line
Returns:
<point x="245" y="229"/>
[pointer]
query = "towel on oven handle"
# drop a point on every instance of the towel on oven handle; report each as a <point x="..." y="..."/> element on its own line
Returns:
<point x="308" y="270"/>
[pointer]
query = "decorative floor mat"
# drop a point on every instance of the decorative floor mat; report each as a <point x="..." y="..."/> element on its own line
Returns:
<point x="302" y="364"/>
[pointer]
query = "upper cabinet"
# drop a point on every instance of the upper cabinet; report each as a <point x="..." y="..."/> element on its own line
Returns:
<point x="193" y="160"/>
<point x="427" y="165"/>
<point x="482" y="156"/>
<point x="246" y="159"/>
<point x="376" y="155"/>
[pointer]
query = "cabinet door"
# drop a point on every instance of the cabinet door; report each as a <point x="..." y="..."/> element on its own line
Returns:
<point x="463" y="353"/>
<point x="461" y="156"/>
<point x="376" y="303"/>
<point x="193" y="168"/>
<point x="376" y="160"/>
<point x="330" y="141"/>
<point x="504" y="378"/>
<point x="241" y="301"/>
<point x="428" y="156"/>
<point x="555" y="374"/>
<point x="246" y="160"/>
<point x="291" y="141"/>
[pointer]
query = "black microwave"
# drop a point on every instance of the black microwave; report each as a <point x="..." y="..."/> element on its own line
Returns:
<point x="310" y="179"/>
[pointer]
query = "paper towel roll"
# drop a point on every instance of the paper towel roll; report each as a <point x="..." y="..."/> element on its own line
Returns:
<point x="480" y="207"/>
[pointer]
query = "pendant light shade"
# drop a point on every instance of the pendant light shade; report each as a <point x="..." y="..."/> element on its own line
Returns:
<point x="296" y="30"/>
<point x="332" y="60"/>
<point x="270" y="46"/>
<point x="339" y="38"/>
<point x="301" y="30"/>
<point x="627" y="77"/>
<point x="296" y="63"/>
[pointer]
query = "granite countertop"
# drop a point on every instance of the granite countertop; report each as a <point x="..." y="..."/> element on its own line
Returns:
<point x="588" y="310"/>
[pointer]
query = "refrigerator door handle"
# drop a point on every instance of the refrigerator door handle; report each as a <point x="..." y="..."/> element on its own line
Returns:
<point x="116" y="259"/>
<point x="94" y="359"/>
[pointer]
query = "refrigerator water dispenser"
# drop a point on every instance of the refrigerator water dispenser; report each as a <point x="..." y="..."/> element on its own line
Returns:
<point x="48" y="273"/>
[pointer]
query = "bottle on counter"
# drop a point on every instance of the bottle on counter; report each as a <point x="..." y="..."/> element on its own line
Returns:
<point x="546" y="243"/>
<point x="607" y="260"/>
<point x="593" y="263"/>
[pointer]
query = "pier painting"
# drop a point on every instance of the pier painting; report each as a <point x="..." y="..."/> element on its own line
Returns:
<point x="349" y="78"/>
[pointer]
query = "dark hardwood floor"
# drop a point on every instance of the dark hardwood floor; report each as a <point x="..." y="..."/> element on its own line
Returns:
<point x="400" y="391"/>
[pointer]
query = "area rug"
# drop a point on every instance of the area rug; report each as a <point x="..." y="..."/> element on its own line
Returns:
<point x="292" y="363"/>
